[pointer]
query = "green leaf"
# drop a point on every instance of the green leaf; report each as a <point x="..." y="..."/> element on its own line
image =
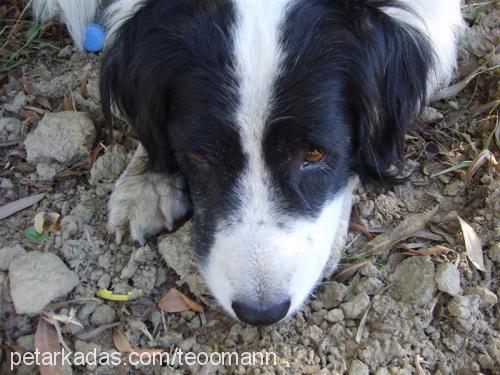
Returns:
<point x="32" y="234"/>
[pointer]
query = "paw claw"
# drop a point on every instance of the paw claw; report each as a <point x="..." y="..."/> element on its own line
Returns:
<point x="118" y="236"/>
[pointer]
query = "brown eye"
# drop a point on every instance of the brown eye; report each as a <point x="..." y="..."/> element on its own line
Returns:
<point x="314" y="156"/>
<point x="196" y="157"/>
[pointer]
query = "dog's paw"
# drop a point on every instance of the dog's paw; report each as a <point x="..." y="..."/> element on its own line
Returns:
<point x="146" y="202"/>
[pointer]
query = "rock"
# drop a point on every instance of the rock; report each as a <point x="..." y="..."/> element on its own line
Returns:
<point x="176" y="250"/>
<point x="82" y="214"/>
<point x="27" y="342"/>
<point x="68" y="226"/>
<point x="494" y="252"/>
<point x="430" y="114"/>
<point x="10" y="129"/>
<point x="453" y="188"/>
<point x="369" y="270"/>
<point x="389" y="204"/>
<point x="86" y="310"/>
<point x="108" y="167"/>
<point x="103" y="314"/>
<point x="366" y="207"/>
<point x="448" y="279"/>
<point x="137" y="257"/>
<point x="463" y="306"/>
<point x="187" y="344"/>
<point x="369" y="285"/>
<point x="333" y="295"/>
<point x="6" y="184"/>
<point x="46" y="172"/>
<point x="486" y="362"/>
<point x="249" y="334"/>
<point x="454" y="342"/>
<point x="316" y="305"/>
<point x="413" y="280"/>
<point x="358" y="368"/>
<point x="19" y="102"/>
<point x="487" y="297"/>
<point x="356" y="306"/>
<point x="465" y="310"/>
<point x="87" y="347"/>
<point x="171" y="338"/>
<point x="104" y="281"/>
<point x="335" y="316"/>
<point x="38" y="278"/>
<point x="63" y="136"/>
<point x="9" y="253"/>
<point x="313" y="333"/>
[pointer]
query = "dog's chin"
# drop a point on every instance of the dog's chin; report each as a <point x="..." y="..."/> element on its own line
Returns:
<point x="263" y="267"/>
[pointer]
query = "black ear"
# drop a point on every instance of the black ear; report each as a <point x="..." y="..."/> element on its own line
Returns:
<point x="136" y="80"/>
<point x="389" y="89"/>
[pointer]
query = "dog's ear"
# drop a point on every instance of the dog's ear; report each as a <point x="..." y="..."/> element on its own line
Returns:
<point x="388" y="90"/>
<point x="135" y="82"/>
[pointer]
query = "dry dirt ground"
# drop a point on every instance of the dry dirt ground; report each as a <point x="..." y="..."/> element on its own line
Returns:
<point x="424" y="303"/>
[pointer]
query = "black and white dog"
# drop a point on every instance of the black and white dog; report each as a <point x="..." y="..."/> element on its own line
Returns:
<point x="258" y="116"/>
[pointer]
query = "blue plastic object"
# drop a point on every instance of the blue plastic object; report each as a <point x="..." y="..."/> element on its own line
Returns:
<point x="94" y="37"/>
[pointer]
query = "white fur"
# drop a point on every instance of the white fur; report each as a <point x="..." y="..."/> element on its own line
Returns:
<point x="76" y="14"/>
<point x="253" y="258"/>
<point x="441" y="21"/>
<point x="145" y="201"/>
<point x="118" y="13"/>
<point x="264" y="264"/>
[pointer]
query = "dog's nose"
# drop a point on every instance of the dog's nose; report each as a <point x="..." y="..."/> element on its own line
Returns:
<point x="261" y="315"/>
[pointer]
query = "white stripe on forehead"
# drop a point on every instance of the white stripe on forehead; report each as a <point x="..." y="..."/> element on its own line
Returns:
<point x="258" y="58"/>
<point x="258" y="55"/>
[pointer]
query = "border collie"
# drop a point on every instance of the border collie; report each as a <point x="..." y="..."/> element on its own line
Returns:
<point x="258" y="117"/>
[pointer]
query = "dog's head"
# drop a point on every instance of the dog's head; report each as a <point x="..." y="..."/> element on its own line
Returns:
<point x="269" y="109"/>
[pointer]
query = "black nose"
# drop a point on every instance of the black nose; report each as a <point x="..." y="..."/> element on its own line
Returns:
<point x="261" y="315"/>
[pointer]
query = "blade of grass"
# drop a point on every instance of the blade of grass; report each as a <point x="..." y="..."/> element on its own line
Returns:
<point x="461" y="165"/>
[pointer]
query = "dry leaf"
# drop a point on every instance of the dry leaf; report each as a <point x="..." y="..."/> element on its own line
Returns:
<point x="174" y="301"/>
<point x="483" y="157"/>
<point x="30" y="115"/>
<point x="361" y="229"/>
<point x="43" y="219"/>
<point x="453" y="90"/>
<point x="121" y="342"/>
<point x="351" y="347"/>
<point x="89" y="335"/>
<point x="44" y="102"/>
<point x="83" y="85"/>
<point x="346" y="271"/>
<point x="47" y="341"/>
<point x="473" y="245"/>
<point x="435" y="250"/>
<point x="409" y="227"/>
<point x="66" y="319"/>
<point x="39" y="222"/>
<point x="123" y="345"/>
<point x="19" y="205"/>
<point x="418" y="366"/>
<point x="431" y="168"/>
<point x="27" y="87"/>
<point x="67" y="103"/>
<point x="35" y="109"/>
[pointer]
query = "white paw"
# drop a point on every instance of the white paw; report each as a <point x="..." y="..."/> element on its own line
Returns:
<point x="145" y="201"/>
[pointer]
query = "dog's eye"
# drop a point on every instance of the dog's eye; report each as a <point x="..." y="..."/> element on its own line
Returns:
<point x="196" y="157"/>
<point x="313" y="156"/>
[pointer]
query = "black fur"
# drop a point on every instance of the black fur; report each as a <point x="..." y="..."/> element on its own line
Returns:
<point x="352" y="83"/>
